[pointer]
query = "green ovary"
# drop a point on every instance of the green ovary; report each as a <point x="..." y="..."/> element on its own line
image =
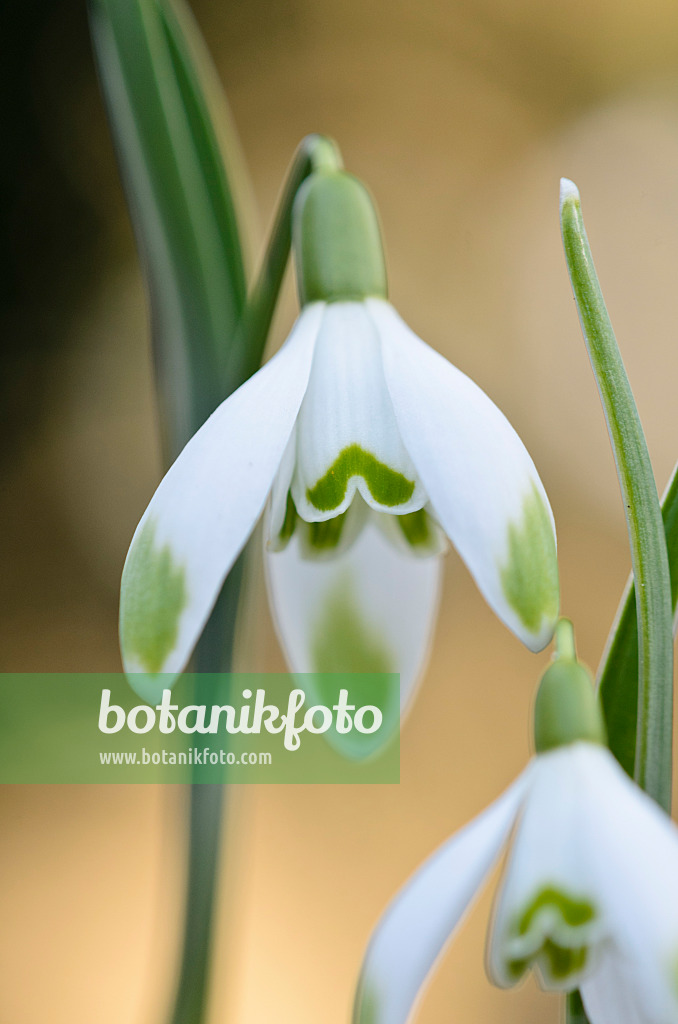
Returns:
<point x="153" y="597"/>
<point x="530" y="576"/>
<point x="387" y="486"/>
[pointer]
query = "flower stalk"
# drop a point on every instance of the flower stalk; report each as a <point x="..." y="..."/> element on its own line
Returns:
<point x="314" y="153"/>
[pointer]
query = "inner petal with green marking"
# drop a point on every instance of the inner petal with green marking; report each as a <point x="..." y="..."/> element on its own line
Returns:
<point x="153" y="596"/>
<point x="553" y="934"/>
<point x="387" y="486"/>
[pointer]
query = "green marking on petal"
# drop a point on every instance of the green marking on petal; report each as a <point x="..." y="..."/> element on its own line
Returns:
<point x="367" y="1006"/>
<point x="517" y="967"/>
<point x="327" y="535"/>
<point x="573" y="912"/>
<point x="563" y="962"/>
<point x="153" y="596"/>
<point x="560" y="961"/>
<point x="416" y="528"/>
<point x="530" y="576"/>
<point x="343" y="641"/>
<point x="557" y="961"/>
<point x="290" y="520"/>
<point x="387" y="486"/>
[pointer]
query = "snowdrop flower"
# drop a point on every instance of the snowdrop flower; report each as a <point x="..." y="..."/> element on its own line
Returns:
<point x="369" y="450"/>
<point x="589" y="897"/>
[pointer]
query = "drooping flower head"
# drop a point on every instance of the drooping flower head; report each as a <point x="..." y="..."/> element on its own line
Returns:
<point x="369" y="449"/>
<point x="589" y="897"/>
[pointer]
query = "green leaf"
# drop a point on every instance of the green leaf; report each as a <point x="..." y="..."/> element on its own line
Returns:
<point x="618" y="674"/>
<point x="179" y="162"/>
<point x="163" y="105"/>
<point x="654" y="703"/>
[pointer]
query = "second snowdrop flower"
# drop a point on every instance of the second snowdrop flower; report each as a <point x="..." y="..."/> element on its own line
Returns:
<point x="589" y="898"/>
<point x="373" y="449"/>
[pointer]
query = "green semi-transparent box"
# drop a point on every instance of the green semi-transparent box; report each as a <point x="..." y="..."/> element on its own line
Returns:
<point x="236" y="728"/>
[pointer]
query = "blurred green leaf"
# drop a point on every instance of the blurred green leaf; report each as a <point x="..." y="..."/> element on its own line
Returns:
<point x="165" y="110"/>
<point x="178" y="157"/>
<point x="618" y="674"/>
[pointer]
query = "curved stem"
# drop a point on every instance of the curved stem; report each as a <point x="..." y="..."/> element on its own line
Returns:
<point x="314" y="153"/>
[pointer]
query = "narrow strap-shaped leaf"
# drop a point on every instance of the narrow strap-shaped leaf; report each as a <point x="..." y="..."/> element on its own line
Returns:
<point x="167" y="116"/>
<point x="641" y="505"/>
<point x="618" y="673"/>
<point x="181" y="202"/>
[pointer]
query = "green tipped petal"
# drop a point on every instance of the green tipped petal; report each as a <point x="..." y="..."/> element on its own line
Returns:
<point x="530" y="574"/>
<point x="205" y="508"/>
<point x="153" y="597"/>
<point x="480" y="482"/>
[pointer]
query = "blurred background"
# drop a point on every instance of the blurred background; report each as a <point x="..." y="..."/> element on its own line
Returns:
<point x="461" y="116"/>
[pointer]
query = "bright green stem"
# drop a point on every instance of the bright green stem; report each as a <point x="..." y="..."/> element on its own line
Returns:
<point x="641" y="505"/>
<point x="314" y="153"/>
<point x="564" y="640"/>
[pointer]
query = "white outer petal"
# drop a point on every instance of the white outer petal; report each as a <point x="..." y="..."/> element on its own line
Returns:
<point x="610" y="996"/>
<point x="396" y="599"/>
<point x="347" y="403"/>
<point x="634" y="851"/>
<point x="210" y="499"/>
<point x="550" y="850"/>
<point x="423" y="916"/>
<point x="473" y="465"/>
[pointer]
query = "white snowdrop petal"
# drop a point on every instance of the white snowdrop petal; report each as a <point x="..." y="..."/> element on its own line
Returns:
<point x="481" y="482"/>
<point x="205" y="509"/>
<point x="548" y="913"/>
<point x="369" y="608"/>
<point x="425" y="913"/>
<point x="347" y="437"/>
<point x="634" y="853"/>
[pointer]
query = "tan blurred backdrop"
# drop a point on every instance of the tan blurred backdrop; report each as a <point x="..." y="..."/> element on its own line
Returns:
<point x="461" y="116"/>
